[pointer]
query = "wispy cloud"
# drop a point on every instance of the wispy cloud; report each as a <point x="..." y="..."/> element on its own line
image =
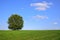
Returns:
<point x="40" y="17"/>
<point x="55" y="22"/>
<point x="41" y="5"/>
<point x="22" y="8"/>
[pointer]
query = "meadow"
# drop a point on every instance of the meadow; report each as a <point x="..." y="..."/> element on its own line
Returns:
<point x="30" y="35"/>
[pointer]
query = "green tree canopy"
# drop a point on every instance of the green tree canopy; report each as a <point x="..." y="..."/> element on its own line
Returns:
<point x="15" y="22"/>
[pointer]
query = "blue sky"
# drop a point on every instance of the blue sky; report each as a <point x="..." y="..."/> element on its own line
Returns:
<point x="37" y="14"/>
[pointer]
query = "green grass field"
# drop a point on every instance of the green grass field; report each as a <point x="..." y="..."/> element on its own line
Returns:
<point x="30" y="35"/>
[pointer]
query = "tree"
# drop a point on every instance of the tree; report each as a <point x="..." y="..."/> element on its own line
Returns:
<point x="15" y="22"/>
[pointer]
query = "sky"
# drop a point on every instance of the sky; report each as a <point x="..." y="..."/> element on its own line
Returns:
<point x="37" y="14"/>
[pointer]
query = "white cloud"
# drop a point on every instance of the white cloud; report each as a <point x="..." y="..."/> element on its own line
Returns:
<point x="41" y="6"/>
<point x="40" y="17"/>
<point x="55" y="23"/>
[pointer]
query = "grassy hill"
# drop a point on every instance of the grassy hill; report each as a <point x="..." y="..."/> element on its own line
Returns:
<point x="30" y="35"/>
